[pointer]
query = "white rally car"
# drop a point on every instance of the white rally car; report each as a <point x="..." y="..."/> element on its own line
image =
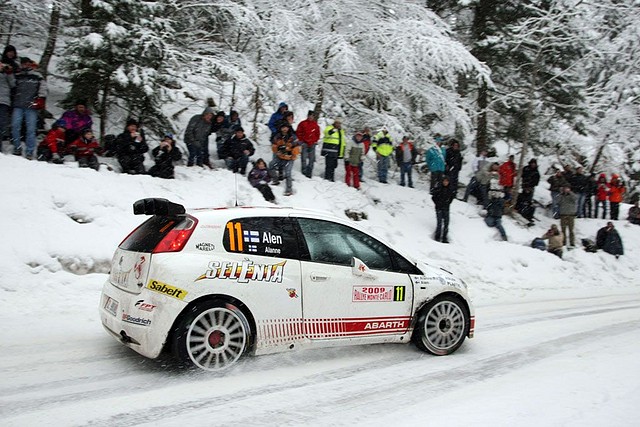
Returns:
<point x="214" y="284"/>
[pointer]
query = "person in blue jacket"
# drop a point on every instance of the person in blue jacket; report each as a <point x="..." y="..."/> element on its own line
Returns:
<point x="436" y="161"/>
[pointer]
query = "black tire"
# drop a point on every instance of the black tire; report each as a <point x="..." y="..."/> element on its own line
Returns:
<point x="442" y="326"/>
<point x="212" y="335"/>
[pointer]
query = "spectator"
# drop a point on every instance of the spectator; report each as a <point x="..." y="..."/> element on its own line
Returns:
<point x="29" y="97"/>
<point x="495" y="209"/>
<point x="406" y="157"/>
<point x="383" y="146"/>
<point x="84" y="150"/>
<point x="609" y="240"/>
<point x="164" y="155"/>
<point x="602" y="194"/>
<point x="556" y="183"/>
<point x="435" y="161"/>
<point x="616" y="194"/>
<point x="259" y="178"/>
<point x="478" y="164"/>
<point x="236" y="151"/>
<point x="366" y="141"/>
<point x="580" y="186"/>
<point x="286" y="150"/>
<point x="130" y="148"/>
<point x="53" y="143"/>
<point x="453" y="163"/>
<point x="484" y="179"/>
<point x="567" y="202"/>
<point x="507" y="172"/>
<point x="10" y="57"/>
<point x="556" y="240"/>
<point x="333" y="145"/>
<point x="77" y="119"/>
<point x="590" y="192"/>
<point x="525" y="206"/>
<point x="442" y="196"/>
<point x="196" y="136"/>
<point x="217" y="127"/>
<point x="287" y="118"/>
<point x="276" y="117"/>
<point x="7" y="84"/>
<point x="354" y="153"/>
<point x="530" y="177"/>
<point x="308" y="134"/>
<point x="226" y="129"/>
<point x="634" y="214"/>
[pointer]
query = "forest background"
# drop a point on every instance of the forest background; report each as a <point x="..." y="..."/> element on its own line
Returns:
<point x="559" y="79"/>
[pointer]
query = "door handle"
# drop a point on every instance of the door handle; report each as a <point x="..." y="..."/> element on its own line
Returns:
<point x="318" y="277"/>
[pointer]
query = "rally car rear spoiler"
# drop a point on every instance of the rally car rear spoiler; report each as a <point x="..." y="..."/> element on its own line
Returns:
<point x="156" y="206"/>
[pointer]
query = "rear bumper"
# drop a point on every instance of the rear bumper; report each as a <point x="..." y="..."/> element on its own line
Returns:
<point x="139" y="321"/>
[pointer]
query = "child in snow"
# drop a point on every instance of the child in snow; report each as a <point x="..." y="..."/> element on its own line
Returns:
<point x="259" y="178"/>
<point x="85" y="148"/>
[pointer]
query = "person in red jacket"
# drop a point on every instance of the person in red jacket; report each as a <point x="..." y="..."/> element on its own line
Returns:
<point x="85" y="148"/>
<point x="52" y="145"/>
<point x="507" y="172"/>
<point x="616" y="193"/>
<point x="308" y="134"/>
<point x="602" y="194"/>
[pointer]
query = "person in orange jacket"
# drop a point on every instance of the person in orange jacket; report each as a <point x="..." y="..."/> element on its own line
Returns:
<point x="285" y="148"/>
<point x="507" y="172"/>
<point x="616" y="193"/>
<point x="602" y="194"/>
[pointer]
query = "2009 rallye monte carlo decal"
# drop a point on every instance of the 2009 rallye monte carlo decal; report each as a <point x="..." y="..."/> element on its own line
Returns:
<point x="211" y="285"/>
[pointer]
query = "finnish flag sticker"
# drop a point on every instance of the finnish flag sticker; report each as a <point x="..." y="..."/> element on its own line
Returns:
<point x="251" y="236"/>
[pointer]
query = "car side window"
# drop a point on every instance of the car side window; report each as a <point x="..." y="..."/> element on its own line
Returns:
<point x="265" y="236"/>
<point x="333" y="243"/>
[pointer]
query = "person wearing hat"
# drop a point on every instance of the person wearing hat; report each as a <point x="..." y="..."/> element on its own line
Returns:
<point x="308" y="133"/>
<point x="354" y="153"/>
<point x="53" y="143"/>
<point x="285" y="149"/>
<point x="196" y="136"/>
<point x="383" y="146"/>
<point x="436" y="160"/>
<point x="85" y="149"/>
<point x="602" y="194"/>
<point x="406" y="154"/>
<point x="130" y="148"/>
<point x="29" y="97"/>
<point x="567" y="202"/>
<point x="236" y="151"/>
<point x="77" y="119"/>
<point x="442" y="196"/>
<point x="276" y="117"/>
<point x="164" y="155"/>
<point x="333" y="144"/>
<point x="616" y="193"/>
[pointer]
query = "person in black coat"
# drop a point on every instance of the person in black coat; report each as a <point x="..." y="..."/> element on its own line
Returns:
<point x="130" y="148"/>
<point x="236" y="151"/>
<point x="530" y="176"/>
<point x="165" y="154"/>
<point x="609" y="240"/>
<point x="453" y="163"/>
<point x="442" y="196"/>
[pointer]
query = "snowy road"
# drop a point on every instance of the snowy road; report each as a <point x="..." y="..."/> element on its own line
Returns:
<point x="562" y="362"/>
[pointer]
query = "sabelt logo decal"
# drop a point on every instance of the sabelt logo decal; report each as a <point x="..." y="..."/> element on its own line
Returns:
<point x="165" y="289"/>
<point x="135" y="320"/>
<point x="378" y="293"/>
<point x="244" y="271"/>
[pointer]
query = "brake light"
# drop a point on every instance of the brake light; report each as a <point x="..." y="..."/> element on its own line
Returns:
<point x="177" y="238"/>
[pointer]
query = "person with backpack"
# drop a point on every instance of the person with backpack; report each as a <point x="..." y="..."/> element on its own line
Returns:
<point x="556" y="240"/>
<point x="164" y="155"/>
<point x="29" y="98"/>
<point x="85" y="149"/>
<point x="53" y="144"/>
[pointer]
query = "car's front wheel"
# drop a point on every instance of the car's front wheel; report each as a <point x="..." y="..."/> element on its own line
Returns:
<point x="442" y="326"/>
<point x="211" y="336"/>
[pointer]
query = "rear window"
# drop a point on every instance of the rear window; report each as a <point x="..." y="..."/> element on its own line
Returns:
<point x="147" y="236"/>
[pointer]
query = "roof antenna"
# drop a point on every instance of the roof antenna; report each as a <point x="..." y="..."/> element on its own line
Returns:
<point x="235" y="178"/>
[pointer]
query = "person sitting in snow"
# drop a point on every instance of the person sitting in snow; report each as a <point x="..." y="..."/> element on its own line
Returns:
<point x="259" y="178"/>
<point x="53" y="143"/>
<point x="609" y="240"/>
<point x="164" y="155"/>
<point x="236" y="151"/>
<point x="131" y="146"/>
<point x="634" y="214"/>
<point x="85" y="149"/>
<point x="556" y="240"/>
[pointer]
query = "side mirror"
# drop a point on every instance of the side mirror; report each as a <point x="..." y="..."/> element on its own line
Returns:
<point x="359" y="268"/>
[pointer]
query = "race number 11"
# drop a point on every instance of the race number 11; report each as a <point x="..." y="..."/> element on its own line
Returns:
<point x="235" y="236"/>
<point x="398" y="294"/>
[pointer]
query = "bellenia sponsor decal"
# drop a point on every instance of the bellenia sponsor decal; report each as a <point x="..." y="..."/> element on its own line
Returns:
<point x="165" y="289"/>
<point x="244" y="271"/>
<point x="378" y="293"/>
<point x="135" y="320"/>
<point x="207" y="247"/>
<point x="247" y="240"/>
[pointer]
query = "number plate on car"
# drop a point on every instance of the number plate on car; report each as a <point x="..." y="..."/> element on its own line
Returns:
<point x="111" y="306"/>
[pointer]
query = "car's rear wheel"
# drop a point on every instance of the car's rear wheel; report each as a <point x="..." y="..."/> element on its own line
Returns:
<point x="211" y="336"/>
<point x="442" y="326"/>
